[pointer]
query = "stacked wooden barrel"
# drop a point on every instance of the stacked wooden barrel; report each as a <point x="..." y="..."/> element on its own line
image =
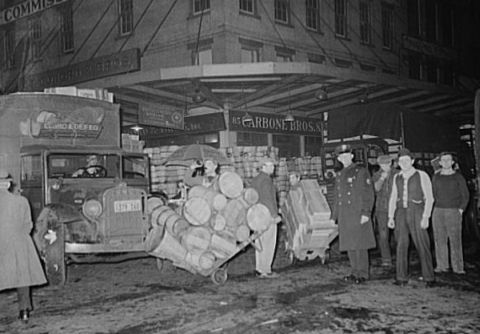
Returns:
<point x="214" y="224"/>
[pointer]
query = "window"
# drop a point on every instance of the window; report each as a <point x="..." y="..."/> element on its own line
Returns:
<point x="252" y="139"/>
<point x="31" y="168"/>
<point x="284" y="58"/>
<point x="36" y="37"/>
<point x="67" y="28"/>
<point x="414" y="65"/>
<point x="247" y="6"/>
<point x="431" y="68"/>
<point x="204" y="57"/>
<point x="134" y="167"/>
<point x="341" y="18"/>
<point x="312" y="14"/>
<point x="413" y="17"/>
<point x="282" y="11"/>
<point x="125" y="12"/>
<point x="250" y="55"/>
<point x="365" y="22"/>
<point x="387" y="26"/>
<point x="431" y="21"/>
<point x="446" y="25"/>
<point x="200" y="6"/>
<point x="10" y="48"/>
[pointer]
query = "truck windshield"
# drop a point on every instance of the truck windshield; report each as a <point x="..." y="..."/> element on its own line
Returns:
<point x="135" y="167"/>
<point x="92" y="165"/>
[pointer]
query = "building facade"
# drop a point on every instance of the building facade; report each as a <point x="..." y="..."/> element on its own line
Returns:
<point x="170" y="61"/>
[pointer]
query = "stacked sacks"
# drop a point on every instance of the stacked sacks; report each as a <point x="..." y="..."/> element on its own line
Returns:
<point x="215" y="223"/>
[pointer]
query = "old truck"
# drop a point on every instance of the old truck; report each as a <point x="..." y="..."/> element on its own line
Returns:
<point x="80" y="209"/>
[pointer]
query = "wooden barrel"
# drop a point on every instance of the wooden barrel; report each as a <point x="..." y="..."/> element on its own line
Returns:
<point x="157" y="216"/>
<point x="176" y="225"/>
<point x="259" y="217"/>
<point x="235" y="213"/>
<point x="196" y="239"/>
<point x="250" y="195"/>
<point x="169" y="248"/>
<point x="214" y="199"/>
<point x="242" y="233"/>
<point x="223" y="246"/>
<point x="218" y="222"/>
<point x="230" y="184"/>
<point x="154" y="238"/>
<point x="153" y="202"/>
<point x="197" y="211"/>
<point x="203" y="261"/>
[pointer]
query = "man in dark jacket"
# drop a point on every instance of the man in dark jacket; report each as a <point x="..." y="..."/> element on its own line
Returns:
<point x="382" y="182"/>
<point x="352" y="208"/>
<point x="267" y="196"/>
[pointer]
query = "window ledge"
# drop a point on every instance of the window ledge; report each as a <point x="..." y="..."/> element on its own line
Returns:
<point x="345" y="38"/>
<point x="197" y="15"/>
<point x="285" y="24"/>
<point x="252" y="15"/>
<point x="316" y="31"/>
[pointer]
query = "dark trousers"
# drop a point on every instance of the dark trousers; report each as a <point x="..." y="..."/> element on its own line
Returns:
<point x="407" y="223"/>
<point x="24" y="300"/>
<point x="381" y="218"/>
<point x="359" y="262"/>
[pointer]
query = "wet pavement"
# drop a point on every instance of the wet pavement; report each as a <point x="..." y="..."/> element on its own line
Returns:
<point x="135" y="297"/>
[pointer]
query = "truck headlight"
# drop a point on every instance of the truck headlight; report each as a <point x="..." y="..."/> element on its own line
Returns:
<point x="92" y="208"/>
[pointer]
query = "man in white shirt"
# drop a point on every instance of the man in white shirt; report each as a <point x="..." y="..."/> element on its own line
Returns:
<point x="409" y="211"/>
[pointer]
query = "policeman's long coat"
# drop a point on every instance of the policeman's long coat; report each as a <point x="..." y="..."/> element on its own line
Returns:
<point x="19" y="261"/>
<point x="354" y="197"/>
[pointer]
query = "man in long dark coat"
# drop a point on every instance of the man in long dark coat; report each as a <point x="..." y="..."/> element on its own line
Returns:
<point x="354" y="198"/>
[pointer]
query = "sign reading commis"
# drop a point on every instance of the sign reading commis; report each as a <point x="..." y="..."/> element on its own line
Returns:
<point x="26" y="8"/>
<point x="271" y="123"/>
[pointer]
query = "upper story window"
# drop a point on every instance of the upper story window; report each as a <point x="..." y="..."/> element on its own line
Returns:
<point x="200" y="6"/>
<point x="341" y="18"/>
<point x="365" y="22"/>
<point x="446" y="24"/>
<point x="9" y="47"/>
<point x="125" y="13"/>
<point x="413" y="17"/>
<point x="282" y="11"/>
<point x="387" y="26"/>
<point x="36" y="37"/>
<point x="312" y="14"/>
<point x="247" y="6"/>
<point x="431" y="21"/>
<point x="202" y="57"/>
<point x="66" y="31"/>
<point x="250" y="55"/>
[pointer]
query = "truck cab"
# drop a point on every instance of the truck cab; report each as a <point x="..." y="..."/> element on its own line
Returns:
<point x="82" y="208"/>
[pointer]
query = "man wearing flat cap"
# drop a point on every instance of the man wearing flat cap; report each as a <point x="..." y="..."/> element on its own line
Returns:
<point x="267" y="196"/>
<point x="382" y="182"/>
<point x="409" y="211"/>
<point x="352" y="208"/>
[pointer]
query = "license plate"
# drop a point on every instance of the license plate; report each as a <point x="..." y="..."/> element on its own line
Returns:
<point x="127" y="205"/>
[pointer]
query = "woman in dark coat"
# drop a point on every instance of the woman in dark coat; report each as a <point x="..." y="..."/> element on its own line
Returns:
<point x="20" y="265"/>
<point x="354" y="198"/>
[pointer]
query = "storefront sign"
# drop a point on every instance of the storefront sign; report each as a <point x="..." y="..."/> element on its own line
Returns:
<point x="79" y="130"/>
<point x="26" y="8"/>
<point x="104" y="66"/>
<point x="160" y="115"/>
<point x="424" y="47"/>
<point x="193" y="124"/>
<point x="274" y="124"/>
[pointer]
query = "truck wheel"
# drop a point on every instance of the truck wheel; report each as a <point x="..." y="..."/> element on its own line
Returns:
<point x="55" y="265"/>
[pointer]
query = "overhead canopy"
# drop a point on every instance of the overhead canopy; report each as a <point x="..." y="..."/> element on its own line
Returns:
<point x="422" y="132"/>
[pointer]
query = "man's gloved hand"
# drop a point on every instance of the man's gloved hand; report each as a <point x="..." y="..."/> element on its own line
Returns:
<point x="391" y="223"/>
<point x="424" y="223"/>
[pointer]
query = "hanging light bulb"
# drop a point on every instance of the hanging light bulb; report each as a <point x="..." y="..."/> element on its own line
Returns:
<point x="363" y="98"/>
<point x="289" y="117"/>
<point x="321" y="94"/>
<point x="198" y="97"/>
<point x="136" y="128"/>
<point x="247" y="118"/>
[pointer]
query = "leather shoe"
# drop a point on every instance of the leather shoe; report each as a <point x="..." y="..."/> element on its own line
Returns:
<point x="349" y="278"/>
<point x="360" y="280"/>
<point x="400" y="283"/>
<point x="24" y="315"/>
<point x="430" y="284"/>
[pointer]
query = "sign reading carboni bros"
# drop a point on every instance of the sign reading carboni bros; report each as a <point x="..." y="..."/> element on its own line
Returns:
<point x="26" y="8"/>
<point x="272" y="123"/>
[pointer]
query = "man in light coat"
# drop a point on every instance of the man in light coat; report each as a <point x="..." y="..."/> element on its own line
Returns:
<point x="20" y="265"/>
